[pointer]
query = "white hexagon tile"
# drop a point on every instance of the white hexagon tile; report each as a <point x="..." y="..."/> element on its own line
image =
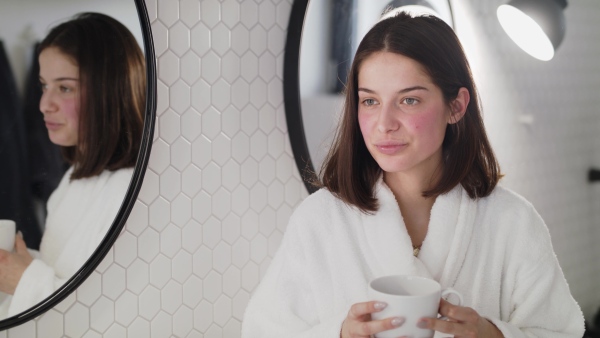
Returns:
<point x="222" y="183"/>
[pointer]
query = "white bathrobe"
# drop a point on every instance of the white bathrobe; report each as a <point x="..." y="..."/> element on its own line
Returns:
<point x="496" y="251"/>
<point x="80" y="212"/>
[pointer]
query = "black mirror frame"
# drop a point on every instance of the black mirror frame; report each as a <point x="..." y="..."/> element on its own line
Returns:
<point x="132" y="191"/>
<point x="291" y="93"/>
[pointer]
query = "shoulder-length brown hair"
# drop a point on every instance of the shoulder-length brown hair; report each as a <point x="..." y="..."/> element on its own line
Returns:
<point x="349" y="170"/>
<point x="112" y="77"/>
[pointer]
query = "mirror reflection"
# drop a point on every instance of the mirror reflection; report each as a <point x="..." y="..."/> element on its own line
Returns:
<point x="72" y="138"/>
<point x="331" y="33"/>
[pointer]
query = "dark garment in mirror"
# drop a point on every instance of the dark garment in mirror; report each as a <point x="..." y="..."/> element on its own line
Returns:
<point x="343" y="31"/>
<point x="15" y="195"/>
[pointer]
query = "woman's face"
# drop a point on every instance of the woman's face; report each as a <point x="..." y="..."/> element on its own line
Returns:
<point x="402" y="114"/>
<point x="59" y="77"/>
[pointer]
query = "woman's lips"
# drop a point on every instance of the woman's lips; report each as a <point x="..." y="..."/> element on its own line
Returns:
<point x="390" y="148"/>
<point x="52" y="125"/>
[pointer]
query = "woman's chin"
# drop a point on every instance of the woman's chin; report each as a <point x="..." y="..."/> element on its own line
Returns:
<point x="59" y="141"/>
<point x="390" y="167"/>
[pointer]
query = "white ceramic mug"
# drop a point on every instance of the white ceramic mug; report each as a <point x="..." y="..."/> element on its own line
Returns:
<point x="409" y="297"/>
<point x="7" y="234"/>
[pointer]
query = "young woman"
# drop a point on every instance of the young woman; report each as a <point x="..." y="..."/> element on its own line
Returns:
<point x="92" y="74"/>
<point x="410" y="187"/>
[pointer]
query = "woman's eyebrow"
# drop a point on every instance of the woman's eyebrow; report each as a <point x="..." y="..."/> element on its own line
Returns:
<point x="410" y="89"/>
<point x="65" y="79"/>
<point x="405" y="90"/>
<point x="60" y="79"/>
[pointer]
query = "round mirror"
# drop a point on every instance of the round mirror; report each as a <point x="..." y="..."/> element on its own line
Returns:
<point x="67" y="227"/>
<point x="322" y="39"/>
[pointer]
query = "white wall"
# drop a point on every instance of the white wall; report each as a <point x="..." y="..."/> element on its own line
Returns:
<point x="222" y="182"/>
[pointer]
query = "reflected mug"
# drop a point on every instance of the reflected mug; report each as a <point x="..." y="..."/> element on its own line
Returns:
<point x="409" y="297"/>
<point x="7" y="234"/>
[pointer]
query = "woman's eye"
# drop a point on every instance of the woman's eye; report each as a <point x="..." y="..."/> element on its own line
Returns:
<point x="369" y="102"/>
<point x="65" y="89"/>
<point x="43" y="86"/>
<point x="410" y="101"/>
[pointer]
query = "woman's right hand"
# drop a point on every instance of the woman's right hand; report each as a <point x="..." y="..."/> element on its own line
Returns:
<point x="358" y="323"/>
<point x="13" y="265"/>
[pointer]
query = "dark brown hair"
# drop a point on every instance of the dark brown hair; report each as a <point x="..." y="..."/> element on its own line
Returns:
<point x="350" y="172"/>
<point x="112" y="77"/>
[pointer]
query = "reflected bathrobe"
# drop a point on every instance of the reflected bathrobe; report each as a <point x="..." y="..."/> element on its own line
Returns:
<point x="496" y="251"/>
<point x="80" y="212"/>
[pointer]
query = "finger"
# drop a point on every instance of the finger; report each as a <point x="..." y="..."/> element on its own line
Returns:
<point x="459" y="313"/>
<point x="358" y="310"/>
<point x="443" y="326"/>
<point x="376" y="326"/>
<point x="457" y="329"/>
<point x="20" y="246"/>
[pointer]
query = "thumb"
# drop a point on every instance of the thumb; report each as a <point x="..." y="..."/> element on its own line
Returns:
<point x="20" y="245"/>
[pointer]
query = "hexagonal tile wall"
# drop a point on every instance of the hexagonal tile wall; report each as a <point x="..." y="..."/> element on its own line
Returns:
<point x="179" y="268"/>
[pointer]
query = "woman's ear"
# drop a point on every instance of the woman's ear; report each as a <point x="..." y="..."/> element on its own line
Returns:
<point x="458" y="106"/>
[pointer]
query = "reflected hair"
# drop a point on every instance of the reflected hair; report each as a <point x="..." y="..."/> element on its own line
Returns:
<point x="351" y="173"/>
<point x="112" y="78"/>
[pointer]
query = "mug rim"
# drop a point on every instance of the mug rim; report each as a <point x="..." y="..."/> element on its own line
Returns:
<point x="432" y="282"/>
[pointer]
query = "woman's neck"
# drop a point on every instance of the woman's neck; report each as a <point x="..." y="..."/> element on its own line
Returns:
<point x="415" y="209"/>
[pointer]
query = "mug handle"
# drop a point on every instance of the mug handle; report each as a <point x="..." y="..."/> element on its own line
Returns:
<point x="451" y="291"/>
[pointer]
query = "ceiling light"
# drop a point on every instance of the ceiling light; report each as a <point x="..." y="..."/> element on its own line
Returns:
<point x="537" y="26"/>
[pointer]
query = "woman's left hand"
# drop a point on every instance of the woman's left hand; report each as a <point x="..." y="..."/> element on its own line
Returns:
<point x="13" y="264"/>
<point x="463" y="322"/>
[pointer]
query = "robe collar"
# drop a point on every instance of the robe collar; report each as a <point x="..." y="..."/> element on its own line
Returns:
<point x="444" y="248"/>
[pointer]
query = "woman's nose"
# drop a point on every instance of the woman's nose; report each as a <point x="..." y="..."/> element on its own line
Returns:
<point x="46" y="103"/>
<point x="388" y="119"/>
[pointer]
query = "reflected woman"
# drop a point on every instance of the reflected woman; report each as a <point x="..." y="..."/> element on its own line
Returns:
<point x="92" y="74"/>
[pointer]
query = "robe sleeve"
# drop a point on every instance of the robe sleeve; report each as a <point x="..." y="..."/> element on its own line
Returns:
<point x="42" y="278"/>
<point x="540" y="302"/>
<point x="38" y="282"/>
<point x="283" y="304"/>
